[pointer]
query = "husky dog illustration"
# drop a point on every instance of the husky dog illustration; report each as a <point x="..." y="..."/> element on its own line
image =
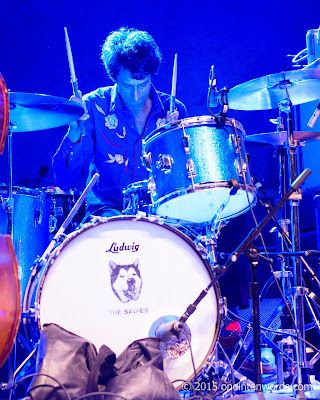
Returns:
<point x="126" y="281"/>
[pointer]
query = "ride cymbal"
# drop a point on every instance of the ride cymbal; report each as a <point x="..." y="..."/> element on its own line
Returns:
<point x="267" y="92"/>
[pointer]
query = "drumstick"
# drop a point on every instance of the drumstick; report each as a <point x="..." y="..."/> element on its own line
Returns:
<point x="174" y="85"/>
<point x="74" y="80"/>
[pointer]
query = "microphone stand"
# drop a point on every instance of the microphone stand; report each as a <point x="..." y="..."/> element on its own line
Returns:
<point x="252" y="253"/>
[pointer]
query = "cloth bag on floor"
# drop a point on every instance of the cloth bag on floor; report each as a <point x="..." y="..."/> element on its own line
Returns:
<point x="137" y="374"/>
<point x="66" y="357"/>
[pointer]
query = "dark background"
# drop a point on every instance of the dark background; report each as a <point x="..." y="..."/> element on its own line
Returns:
<point x="243" y="39"/>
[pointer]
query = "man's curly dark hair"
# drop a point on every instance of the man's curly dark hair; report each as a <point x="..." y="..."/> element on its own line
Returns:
<point x="131" y="49"/>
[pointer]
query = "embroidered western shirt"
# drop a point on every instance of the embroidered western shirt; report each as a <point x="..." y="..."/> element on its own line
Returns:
<point x="110" y="146"/>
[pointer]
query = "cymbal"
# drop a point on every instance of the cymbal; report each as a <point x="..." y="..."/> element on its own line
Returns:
<point x="4" y="113"/>
<point x="266" y="92"/>
<point x="279" y="138"/>
<point x="36" y="112"/>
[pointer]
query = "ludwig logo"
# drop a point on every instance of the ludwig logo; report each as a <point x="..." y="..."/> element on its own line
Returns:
<point x="115" y="248"/>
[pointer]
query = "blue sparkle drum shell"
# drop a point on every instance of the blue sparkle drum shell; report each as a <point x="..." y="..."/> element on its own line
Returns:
<point x="31" y="226"/>
<point x="192" y="164"/>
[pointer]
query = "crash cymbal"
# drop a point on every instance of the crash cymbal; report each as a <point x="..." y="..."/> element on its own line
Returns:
<point x="36" y="112"/>
<point x="266" y="92"/>
<point x="4" y="113"/>
<point x="279" y="138"/>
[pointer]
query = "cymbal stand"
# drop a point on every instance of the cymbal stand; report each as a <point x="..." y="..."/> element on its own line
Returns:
<point x="292" y="145"/>
<point x="10" y="201"/>
<point x="249" y="249"/>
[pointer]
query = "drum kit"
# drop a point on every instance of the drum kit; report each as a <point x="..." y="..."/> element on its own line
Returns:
<point x="199" y="180"/>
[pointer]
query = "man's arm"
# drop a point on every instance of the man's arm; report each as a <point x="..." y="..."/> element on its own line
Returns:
<point x="71" y="162"/>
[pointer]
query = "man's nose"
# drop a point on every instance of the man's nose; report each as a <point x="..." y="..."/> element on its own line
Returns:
<point x="136" y="94"/>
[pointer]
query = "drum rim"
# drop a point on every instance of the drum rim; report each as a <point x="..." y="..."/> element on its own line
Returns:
<point x="190" y="122"/>
<point x="21" y="190"/>
<point x="204" y="186"/>
<point x="38" y="284"/>
<point x="136" y="185"/>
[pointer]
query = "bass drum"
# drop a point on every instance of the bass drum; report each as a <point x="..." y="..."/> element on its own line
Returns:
<point x="116" y="280"/>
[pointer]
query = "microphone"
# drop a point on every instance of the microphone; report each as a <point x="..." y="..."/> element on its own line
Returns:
<point x="258" y="186"/>
<point x="174" y="338"/>
<point x="166" y="330"/>
<point x="314" y="117"/>
<point x="213" y="94"/>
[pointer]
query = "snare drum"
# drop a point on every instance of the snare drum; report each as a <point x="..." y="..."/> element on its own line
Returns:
<point x="31" y="226"/>
<point x="192" y="163"/>
<point x="116" y="280"/>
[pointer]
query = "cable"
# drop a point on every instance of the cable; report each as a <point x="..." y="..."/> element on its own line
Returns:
<point x="99" y="394"/>
<point x="264" y="328"/>
<point x="39" y="374"/>
<point x="231" y="367"/>
<point x="188" y="336"/>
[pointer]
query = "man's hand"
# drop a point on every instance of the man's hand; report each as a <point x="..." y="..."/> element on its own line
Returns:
<point x="172" y="117"/>
<point x="79" y="100"/>
<point x="74" y="131"/>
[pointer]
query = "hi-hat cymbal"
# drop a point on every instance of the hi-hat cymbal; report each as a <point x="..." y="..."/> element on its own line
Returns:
<point x="36" y="112"/>
<point x="279" y="138"/>
<point x="266" y="92"/>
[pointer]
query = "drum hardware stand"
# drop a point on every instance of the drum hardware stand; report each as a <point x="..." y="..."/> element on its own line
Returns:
<point x="292" y="145"/>
<point x="213" y="227"/>
<point x="288" y="290"/>
<point x="249" y="249"/>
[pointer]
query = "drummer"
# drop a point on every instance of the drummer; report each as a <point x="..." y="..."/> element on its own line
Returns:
<point x="116" y="120"/>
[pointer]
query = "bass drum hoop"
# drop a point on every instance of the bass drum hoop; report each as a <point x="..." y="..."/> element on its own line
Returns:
<point x="38" y="278"/>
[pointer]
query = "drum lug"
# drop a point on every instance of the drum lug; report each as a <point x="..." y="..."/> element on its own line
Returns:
<point x="165" y="163"/>
<point x="235" y="144"/>
<point x="223" y="306"/>
<point x="52" y="223"/>
<point x="152" y="185"/>
<point x="186" y="143"/>
<point x="147" y="159"/>
<point x="240" y="169"/>
<point x="191" y="170"/>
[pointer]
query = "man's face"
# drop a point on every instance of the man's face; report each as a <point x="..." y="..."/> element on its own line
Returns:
<point x="133" y="91"/>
